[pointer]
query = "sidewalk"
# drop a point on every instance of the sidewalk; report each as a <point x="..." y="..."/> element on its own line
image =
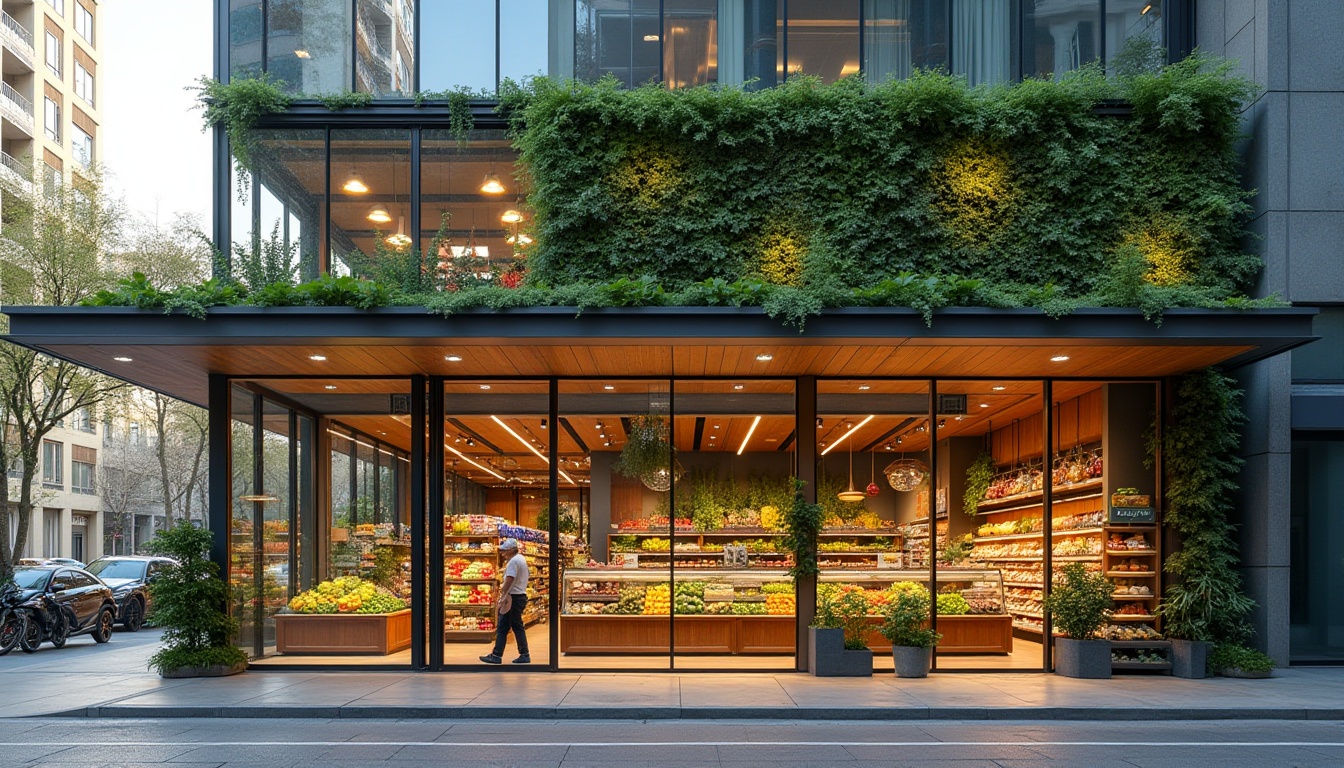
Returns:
<point x="77" y="683"/>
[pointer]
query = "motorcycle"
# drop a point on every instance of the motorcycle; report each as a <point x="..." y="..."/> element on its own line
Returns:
<point x="46" y="621"/>
<point x="13" y="619"/>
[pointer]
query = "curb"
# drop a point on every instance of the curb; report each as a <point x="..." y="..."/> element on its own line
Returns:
<point x="465" y="712"/>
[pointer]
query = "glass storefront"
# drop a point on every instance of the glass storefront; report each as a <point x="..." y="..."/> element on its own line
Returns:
<point x="1316" y="538"/>
<point x="660" y="543"/>
<point x="372" y="46"/>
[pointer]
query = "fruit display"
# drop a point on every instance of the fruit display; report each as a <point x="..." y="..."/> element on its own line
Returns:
<point x="953" y="604"/>
<point x="718" y="592"/>
<point x="469" y="624"/>
<point x="689" y="598"/>
<point x="461" y="569"/>
<point x="655" y="545"/>
<point x="348" y="594"/>
<point x="580" y="587"/>
<point x="657" y="600"/>
<point x="781" y="604"/>
<point x="461" y="594"/>
<point x="749" y="609"/>
<point x="777" y="588"/>
<point x="719" y="609"/>
<point x="585" y="609"/>
<point x="631" y="602"/>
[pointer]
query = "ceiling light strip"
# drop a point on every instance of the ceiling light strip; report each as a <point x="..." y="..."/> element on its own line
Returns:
<point x="468" y="459"/>
<point x="851" y="431"/>
<point x="750" y="432"/>
<point x="530" y="447"/>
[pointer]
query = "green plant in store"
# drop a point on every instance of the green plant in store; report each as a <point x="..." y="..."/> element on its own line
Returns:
<point x="979" y="475"/>
<point x="568" y="524"/>
<point x="188" y="602"/>
<point x="1080" y="601"/>
<point x="802" y="525"/>
<point x="1205" y="600"/>
<point x="647" y="454"/>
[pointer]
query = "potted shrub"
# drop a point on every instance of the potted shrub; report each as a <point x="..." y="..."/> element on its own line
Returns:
<point x="189" y="600"/>
<point x="1233" y="660"/>
<point x="903" y="626"/>
<point x="837" y="647"/>
<point x="1078" y="604"/>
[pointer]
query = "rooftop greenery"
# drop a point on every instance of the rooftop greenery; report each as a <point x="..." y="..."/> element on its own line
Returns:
<point x="919" y="193"/>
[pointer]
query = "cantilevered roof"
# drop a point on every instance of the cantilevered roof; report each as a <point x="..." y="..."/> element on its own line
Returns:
<point x="175" y="353"/>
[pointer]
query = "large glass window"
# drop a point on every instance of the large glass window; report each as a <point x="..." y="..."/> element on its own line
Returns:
<point x="54" y="54"/>
<point x="1061" y="35"/>
<point x="84" y="84"/>
<point x="53" y="463"/>
<point x="81" y="146"/>
<point x="307" y="43"/>
<point x="463" y="52"/>
<point x="472" y="216"/>
<point x="51" y="122"/>
<point x="1321" y="361"/>
<point x="982" y="40"/>
<point x="823" y="38"/>
<point x="900" y="36"/>
<point x="84" y="22"/>
<point x="690" y="42"/>
<point x="281" y="214"/>
<point x="620" y="38"/>
<point x="1317" y="537"/>
<point x="374" y="226"/>
<point x="246" y="28"/>
<point x="1135" y="25"/>
<point x="383" y="39"/>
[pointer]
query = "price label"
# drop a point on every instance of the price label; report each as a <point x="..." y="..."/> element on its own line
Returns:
<point x="1133" y="514"/>
<point x="889" y="560"/>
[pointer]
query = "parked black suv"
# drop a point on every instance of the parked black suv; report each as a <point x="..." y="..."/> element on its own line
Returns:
<point x="129" y="579"/>
<point x="84" y="601"/>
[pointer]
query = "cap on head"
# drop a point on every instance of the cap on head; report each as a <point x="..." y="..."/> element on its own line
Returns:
<point x="509" y="544"/>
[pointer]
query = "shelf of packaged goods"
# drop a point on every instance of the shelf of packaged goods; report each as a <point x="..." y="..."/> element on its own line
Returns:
<point x="1115" y="617"/>
<point x="1059" y="492"/>
<point x="1127" y="596"/>
<point x="1131" y="574"/>
<point x="1028" y="614"/>
<point x="1037" y="535"/>
<point x="1022" y="585"/>
<point x="470" y="581"/>
<point x="1130" y="552"/>
<point x="467" y="606"/>
<point x="448" y="552"/>
<point x="594" y="598"/>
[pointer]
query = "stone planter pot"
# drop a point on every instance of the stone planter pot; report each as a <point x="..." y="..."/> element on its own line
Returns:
<point x="1235" y="672"/>
<point x="911" y="661"/>
<point x="1086" y="659"/>
<point x="1189" y="658"/>
<point x="215" y="670"/>
<point x="828" y="657"/>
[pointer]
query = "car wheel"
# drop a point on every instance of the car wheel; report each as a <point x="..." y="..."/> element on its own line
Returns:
<point x="103" y="631"/>
<point x="32" y="635"/>
<point x="60" y="630"/>
<point x="135" y="616"/>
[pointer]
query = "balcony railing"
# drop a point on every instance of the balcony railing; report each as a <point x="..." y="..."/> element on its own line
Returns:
<point x="17" y="38"/>
<point x="22" y="173"/>
<point x="17" y="107"/>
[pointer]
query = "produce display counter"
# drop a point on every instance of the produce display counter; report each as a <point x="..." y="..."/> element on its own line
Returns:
<point x="371" y="634"/>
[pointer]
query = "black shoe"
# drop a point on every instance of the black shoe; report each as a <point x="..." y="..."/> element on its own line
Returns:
<point x="491" y="658"/>
<point x="524" y="659"/>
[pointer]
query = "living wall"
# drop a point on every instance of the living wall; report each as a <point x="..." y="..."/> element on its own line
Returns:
<point x="849" y="184"/>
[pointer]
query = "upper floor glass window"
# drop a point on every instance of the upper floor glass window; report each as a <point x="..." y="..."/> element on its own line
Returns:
<point x="84" y="22"/>
<point x="81" y="146"/>
<point x="51" y="119"/>
<point x="59" y="5"/>
<point x="84" y="84"/>
<point x="53" y="462"/>
<point x="53" y="54"/>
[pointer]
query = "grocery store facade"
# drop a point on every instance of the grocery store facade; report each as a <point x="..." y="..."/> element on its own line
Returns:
<point x="392" y="445"/>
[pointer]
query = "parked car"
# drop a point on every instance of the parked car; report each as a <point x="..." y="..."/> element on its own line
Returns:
<point x="129" y="579"/>
<point x="85" y="603"/>
<point x="51" y="561"/>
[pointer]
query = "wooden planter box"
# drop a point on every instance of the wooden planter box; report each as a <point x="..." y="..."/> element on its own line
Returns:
<point x="372" y="634"/>
<point x="965" y="633"/>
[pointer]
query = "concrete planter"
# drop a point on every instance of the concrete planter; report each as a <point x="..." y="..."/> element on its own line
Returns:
<point x="911" y="661"/>
<point x="215" y="670"/>
<point x="1189" y="658"/>
<point x="1086" y="659"/>
<point x="827" y="656"/>
<point x="1241" y="673"/>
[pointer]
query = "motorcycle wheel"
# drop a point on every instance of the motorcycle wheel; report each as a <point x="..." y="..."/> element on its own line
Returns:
<point x="60" y="630"/>
<point x="11" y="632"/>
<point x="32" y="635"/>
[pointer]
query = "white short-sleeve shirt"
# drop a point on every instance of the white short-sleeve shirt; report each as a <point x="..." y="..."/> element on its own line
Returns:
<point x="517" y="568"/>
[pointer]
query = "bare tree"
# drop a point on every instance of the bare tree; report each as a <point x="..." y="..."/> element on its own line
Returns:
<point x="126" y="482"/>
<point x="182" y="433"/>
<point x="170" y="256"/>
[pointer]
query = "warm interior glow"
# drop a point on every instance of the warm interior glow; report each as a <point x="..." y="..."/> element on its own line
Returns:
<point x="379" y="215"/>
<point x="755" y="422"/>
<point x="355" y="185"/>
<point x="851" y="431"/>
<point x="491" y="186"/>
<point x="467" y="459"/>
<point x="529" y="446"/>
<point x="511" y="217"/>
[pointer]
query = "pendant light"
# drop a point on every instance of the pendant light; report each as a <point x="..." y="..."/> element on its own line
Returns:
<point x="379" y="215"/>
<point x="400" y="239"/>
<point x="491" y="185"/>
<point x="851" y="494"/>
<point x="355" y="184"/>
<point x="872" y="489"/>
<point x="511" y="216"/>
<point x="904" y="474"/>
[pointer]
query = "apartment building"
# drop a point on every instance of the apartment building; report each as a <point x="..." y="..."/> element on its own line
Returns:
<point x="49" y="116"/>
<point x="49" y="129"/>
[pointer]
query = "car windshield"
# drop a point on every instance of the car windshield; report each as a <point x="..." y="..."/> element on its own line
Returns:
<point x="31" y="578"/>
<point x="118" y="569"/>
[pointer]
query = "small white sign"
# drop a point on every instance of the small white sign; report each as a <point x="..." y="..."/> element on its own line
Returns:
<point x="889" y="560"/>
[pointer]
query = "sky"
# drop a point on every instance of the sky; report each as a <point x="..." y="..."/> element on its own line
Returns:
<point x="153" y="147"/>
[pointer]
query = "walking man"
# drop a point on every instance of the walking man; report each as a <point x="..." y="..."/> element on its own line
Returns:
<point x="512" y="602"/>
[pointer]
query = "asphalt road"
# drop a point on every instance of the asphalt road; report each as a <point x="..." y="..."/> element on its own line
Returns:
<point x="403" y="744"/>
<point x="124" y="648"/>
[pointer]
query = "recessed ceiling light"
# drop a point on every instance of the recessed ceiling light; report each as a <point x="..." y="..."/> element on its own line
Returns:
<point x="984" y="405"/>
<point x="453" y="358"/>
<point x="864" y="387"/>
<point x="999" y="388"/>
<point x="716" y="426"/>
<point x="1059" y="358"/>
<point x="122" y="359"/>
<point x="330" y="386"/>
<point x="608" y="387"/>
<point x="738" y="386"/>
<point x="317" y="358"/>
<point x="764" y="358"/>
<point x="485" y="386"/>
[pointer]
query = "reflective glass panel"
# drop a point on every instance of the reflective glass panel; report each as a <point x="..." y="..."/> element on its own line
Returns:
<point x="982" y="40"/>
<point x="384" y="47"/>
<point x="308" y="44"/>
<point x="458" y="46"/>
<point x="370" y="200"/>
<point x="472" y="216"/>
<point x="1060" y="35"/>
<point x="1134" y="29"/>
<point x="903" y="35"/>
<point x="523" y="38"/>
<point x="823" y="38"/>
<point x="245" y="32"/>
<point x="690" y="42"/>
<point x="620" y="38"/>
<point x="1317" y="536"/>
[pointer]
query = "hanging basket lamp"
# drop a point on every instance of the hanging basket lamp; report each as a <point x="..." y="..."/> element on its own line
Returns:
<point x="906" y="474"/>
<point x="660" y="480"/>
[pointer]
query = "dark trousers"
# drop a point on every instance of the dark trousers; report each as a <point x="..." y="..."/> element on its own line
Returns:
<point x="513" y="620"/>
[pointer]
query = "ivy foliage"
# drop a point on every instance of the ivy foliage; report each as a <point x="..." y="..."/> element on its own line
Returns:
<point x="803" y="521"/>
<point x="808" y="185"/>
<point x="1205" y="600"/>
